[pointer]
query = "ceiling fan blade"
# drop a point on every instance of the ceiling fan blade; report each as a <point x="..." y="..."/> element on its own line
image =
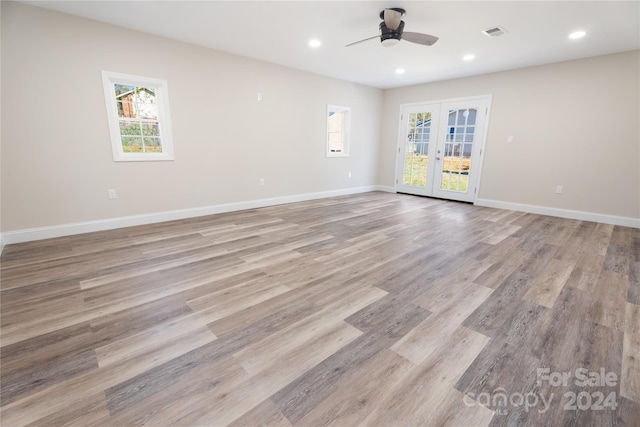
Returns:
<point x="424" y="39"/>
<point x="363" y="40"/>
<point x="392" y="18"/>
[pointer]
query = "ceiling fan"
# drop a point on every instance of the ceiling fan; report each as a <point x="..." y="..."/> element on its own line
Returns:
<point x="392" y="30"/>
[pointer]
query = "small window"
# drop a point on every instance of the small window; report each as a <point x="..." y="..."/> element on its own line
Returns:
<point x="338" y="122"/>
<point x="139" y="122"/>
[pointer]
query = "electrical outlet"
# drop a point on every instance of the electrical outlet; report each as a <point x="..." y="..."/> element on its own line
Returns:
<point x="349" y="174"/>
<point x="510" y="140"/>
<point x="261" y="182"/>
<point x="559" y="189"/>
<point x="112" y="193"/>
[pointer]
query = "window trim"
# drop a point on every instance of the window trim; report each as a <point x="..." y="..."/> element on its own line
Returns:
<point x="346" y="134"/>
<point x="164" y="118"/>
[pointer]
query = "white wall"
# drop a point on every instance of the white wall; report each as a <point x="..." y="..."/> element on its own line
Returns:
<point x="56" y="154"/>
<point x="573" y="123"/>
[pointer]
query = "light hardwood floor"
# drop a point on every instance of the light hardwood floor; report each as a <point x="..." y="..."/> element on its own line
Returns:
<point x="374" y="309"/>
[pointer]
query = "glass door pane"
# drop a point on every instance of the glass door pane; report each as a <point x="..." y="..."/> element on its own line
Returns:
<point x="457" y="149"/>
<point x="416" y="150"/>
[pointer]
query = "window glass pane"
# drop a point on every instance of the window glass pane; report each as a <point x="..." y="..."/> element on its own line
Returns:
<point x="125" y="109"/>
<point x="450" y="134"/>
<point x="122" y="90"/>
<point x="129" y="128"/>
<point x="335" y="142"/>
<point x="471" y="120"/>
<point x="147" y="111"/>
<point x="150" y="129"/>
<point x="145" y="102"/>
<point x="131" y="144"/>
<point x="469" y="133"/>
<point x="124" y="99"/>
<point x="453" y="181"/>
<point x="452" y="117"/>
<point x="462" y="117"/>
<point x="152" y="145"/>
<point x="331" y="122"/>
<point x="336" y="121"/>
<point x="145" y="95"/>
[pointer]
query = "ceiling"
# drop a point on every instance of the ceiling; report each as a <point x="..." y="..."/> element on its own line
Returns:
<point x="279" y="31"/>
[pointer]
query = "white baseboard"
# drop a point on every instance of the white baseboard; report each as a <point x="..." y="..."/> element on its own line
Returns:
<point x="40" y="233"/>
<point x="562" y="213"/>
<point x="27" y="235"/>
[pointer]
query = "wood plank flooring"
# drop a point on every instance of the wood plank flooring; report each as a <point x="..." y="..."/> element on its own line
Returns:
<point x="373" y="309"/>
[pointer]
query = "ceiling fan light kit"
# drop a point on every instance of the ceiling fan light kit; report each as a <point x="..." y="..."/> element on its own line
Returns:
<point x="392" y="30"/>
<point x="390" y="42"/>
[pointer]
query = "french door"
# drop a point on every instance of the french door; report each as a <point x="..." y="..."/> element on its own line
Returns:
<point x="440" y="148"/>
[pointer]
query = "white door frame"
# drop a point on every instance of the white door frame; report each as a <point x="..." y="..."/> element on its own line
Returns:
<point x="480" y="160"/>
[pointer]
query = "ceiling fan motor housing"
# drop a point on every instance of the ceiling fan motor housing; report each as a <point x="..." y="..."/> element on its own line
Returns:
<point x="388" y="34"/>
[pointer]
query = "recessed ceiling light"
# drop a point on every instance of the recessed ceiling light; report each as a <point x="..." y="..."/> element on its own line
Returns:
<point x="577" y="35"/>
<point x="399" y="70"/>
<point x="469" y="57"/>
<point x="314" y="43"/>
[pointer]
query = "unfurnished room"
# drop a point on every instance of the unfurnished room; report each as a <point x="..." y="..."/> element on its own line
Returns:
<point x="320" y="213"/>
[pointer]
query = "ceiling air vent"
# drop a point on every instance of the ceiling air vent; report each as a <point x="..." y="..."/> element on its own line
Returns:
<point x="494" y="31"/>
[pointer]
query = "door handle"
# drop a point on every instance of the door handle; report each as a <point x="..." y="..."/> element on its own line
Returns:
<point x="437" y="158"/>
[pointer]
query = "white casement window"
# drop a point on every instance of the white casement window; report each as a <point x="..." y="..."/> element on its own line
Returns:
<point x="139" y="121"/>
<point x="338" y="127"/>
